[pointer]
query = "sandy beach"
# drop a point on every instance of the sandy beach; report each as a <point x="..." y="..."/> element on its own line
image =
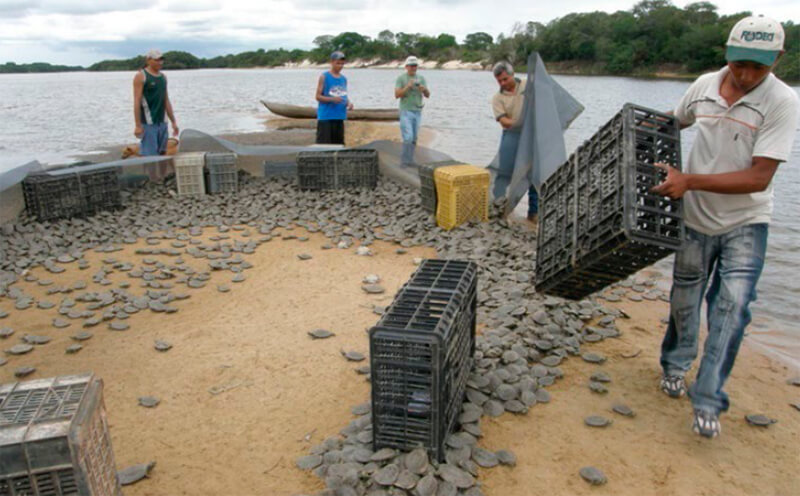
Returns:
<point x="244" y="391"/>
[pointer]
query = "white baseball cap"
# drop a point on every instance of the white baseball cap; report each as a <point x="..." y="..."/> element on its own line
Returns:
<point x="758" y="39"/>
<point x="412" y="60"/>
<point x="154" y="54"/>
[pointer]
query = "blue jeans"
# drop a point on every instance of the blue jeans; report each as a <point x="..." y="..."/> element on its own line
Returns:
<point x="409" y="129"/>
<point x="154" y="139"/>
<point x="733" y="263"/>
<point x="509" y="142"/>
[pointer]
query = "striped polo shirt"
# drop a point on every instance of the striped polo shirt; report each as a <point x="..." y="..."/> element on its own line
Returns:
<point x="763" y="123"/>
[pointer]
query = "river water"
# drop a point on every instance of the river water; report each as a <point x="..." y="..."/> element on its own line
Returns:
<point x="50" y="117"/>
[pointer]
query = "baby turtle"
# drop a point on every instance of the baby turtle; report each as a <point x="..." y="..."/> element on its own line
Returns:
<point x="320" y="334"/>
<point x="794" y="381"/>
<point x="363" y="370"/>
<point x="371" y="279"/>
<point x="484" y="458"/>
<point x="20" y="349"/>
<point x="222" y="288"/>
<point x="34" y="339"/>
<point x="3" y="314"/>
<point x="60" y="323"/>
<point x="119" y="326"/>
<point x="593" y="357"/>
<point x="597" y="421"/>
<point x="796" y="406"/>
<point x="149" y="401"/>
<point x="353" y="356"/>
<point x="24" y="371"/>
<point x="506" y="457"/>
<point x="73" y="348"/>
<point x="623" y="410"/>
<point x="597" y="387"/>
<point x="601" y="377"/>
<point x="373" y="288"/>
<point x="759" y="420"/>
<point x="361" y="409"/>
<point x="593" y="476"/>
<point x="309" y="462"/>
<point x="45" y="305"/>
<point x="387" y="475"/>
<point x="6" y="332"/>
<point x="456" y="476"/>
<point x="162" y="345"/>
<point x="81" y="336"/>
<point x="135" y="473"/>
<point x="417" y="461"/>
<point x="304" y="256"/>
<point x="238" y="278"/>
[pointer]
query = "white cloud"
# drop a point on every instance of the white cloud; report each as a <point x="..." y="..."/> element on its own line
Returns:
<point x="87" y="31"/>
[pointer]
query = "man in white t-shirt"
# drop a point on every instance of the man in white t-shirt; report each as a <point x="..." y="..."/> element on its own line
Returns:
<point x="746" y="120"/>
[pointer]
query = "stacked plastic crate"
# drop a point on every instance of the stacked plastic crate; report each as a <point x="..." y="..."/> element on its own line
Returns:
<point x="599" y="222"/>
<point x="50" y="197"/>
<point x="189" y="174"/>
<point x="427" y="184"/>
<point x="462" y="193"/>
<point x="337" y="169"/>
<point x="54" y="439"/>
<point x="421" y="355"/>
<point x="222" y="174"/>
<point x="100" y="189"/>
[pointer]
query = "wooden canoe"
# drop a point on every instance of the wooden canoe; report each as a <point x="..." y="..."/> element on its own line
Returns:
<point x="298" y="112"/>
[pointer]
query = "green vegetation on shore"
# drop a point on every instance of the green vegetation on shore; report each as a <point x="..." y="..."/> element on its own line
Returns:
<point x="653" y="38"/>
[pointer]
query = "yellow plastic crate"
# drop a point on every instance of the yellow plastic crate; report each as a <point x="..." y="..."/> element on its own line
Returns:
<point x="462" y="193"/>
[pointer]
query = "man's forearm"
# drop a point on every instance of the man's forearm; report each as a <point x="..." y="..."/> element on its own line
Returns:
<point x="137" y="118"/>
<point x="170" y="113"/>
<point x="729" y="183"/>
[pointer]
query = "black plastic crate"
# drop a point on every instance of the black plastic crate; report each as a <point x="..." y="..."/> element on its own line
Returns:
<point x="222" y="174"/>
<point x="420" y="357"/>
<point x="54" y="439"/>
<point x="428" y="185"/>
<point x="338" y="169"/>
<point x="50" y="197"/>
<point x="100" y="189"/>
<point x="599" y="221"/>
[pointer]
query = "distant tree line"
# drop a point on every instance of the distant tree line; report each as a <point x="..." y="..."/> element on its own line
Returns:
<point x="653" y="36"/>
<point x="12" y="68"/>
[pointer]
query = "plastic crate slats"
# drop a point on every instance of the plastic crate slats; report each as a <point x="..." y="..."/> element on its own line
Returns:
<point x="339" y="169"/>
<point x="67" y="412"/>
<point x="222" y="174"/>
<point x="599" y="220"/>
<point x="420" y="357"/>
<point x="428" y="185"/>
<point x="51" y="197"/>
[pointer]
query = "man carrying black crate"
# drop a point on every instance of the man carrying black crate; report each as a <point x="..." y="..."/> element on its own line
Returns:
<point x="333" y="102"/>
<point x="507" y="106"/>
<point x="746" y="120"/>
<point x="150" y="104"/>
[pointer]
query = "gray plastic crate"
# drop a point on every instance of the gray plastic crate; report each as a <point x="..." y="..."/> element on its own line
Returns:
<point x="222" y="174"/>
<point x="51" y="197"/>
<point x="428" y="185"/>
<point x="339" y="169"/>
<point x="420" y="358"/>
<point x="54" y="439"/>
<point x="599" y="221"/>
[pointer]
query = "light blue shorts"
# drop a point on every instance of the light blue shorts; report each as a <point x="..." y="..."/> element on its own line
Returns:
<point x="154" y="139"/>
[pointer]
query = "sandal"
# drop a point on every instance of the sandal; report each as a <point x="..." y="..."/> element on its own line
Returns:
<point x="706" y="424"/>
<point x="673" y="386"/>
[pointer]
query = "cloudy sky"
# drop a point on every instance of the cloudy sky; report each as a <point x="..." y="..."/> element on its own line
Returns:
<point x="82" y="32"/>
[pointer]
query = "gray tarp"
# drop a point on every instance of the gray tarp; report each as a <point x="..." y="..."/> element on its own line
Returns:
<point x="549" y="109"/>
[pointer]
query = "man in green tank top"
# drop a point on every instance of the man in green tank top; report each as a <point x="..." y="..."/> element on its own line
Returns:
<point x="150" y="104"/>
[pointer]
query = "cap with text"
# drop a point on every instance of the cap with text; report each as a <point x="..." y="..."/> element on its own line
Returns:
<point x="757" y="39"/>
<point x="154" y="54"/>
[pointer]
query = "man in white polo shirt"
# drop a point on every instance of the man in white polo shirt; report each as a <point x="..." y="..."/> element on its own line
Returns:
<point x="746" y="120"/>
